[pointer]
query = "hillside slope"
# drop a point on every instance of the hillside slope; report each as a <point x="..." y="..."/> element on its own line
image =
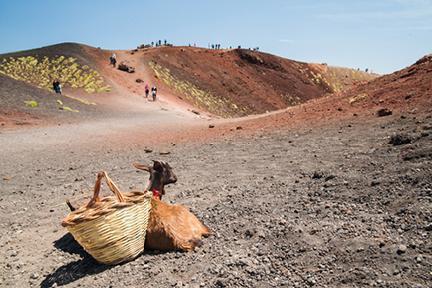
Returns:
<point x="226" y="83"/>
<point x="405" y="92"/>
<point x="242" y="82"/>
<point x="24" y="104"/>
<point x="409" y="88"/>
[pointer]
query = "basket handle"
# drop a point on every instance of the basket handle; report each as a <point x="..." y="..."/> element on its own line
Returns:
<point x="112" y="186"/>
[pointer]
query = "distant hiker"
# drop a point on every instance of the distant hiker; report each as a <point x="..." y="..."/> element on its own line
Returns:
<point x="57" y="87"/>
<point x="147" y="90"/>
<point x="154" y="92"/>
<point x="113" y="60"/>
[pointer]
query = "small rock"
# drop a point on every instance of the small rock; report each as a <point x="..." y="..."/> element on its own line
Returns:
<point x="330" y="177"/>
<point x="399" y="139"/>
<point x="311" y="282"/>
<point x="249" y="233"/>
<point x="148" y="150"/>
<point x="375" y="183"/>
<point x="211" y="126"/>
<point x="34" y="276"/>
<point x="317" y="175"/>
<point x="401" y="249"/>
<point x="239" y="128"/>
<point x="195" y="112"/>
<point x="123" y="66"/>
<point x="164" y="152"/>
<point x="261" y="234"/>
<point x="384" y="112"/>
<point x="219" y="283"/>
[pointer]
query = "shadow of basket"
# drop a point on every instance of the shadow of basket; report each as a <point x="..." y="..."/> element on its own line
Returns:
<point x="73" y="271"/>
<point x="69" y="245"/>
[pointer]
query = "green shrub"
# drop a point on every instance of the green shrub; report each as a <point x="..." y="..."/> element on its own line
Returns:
<point x="31" y="103"/>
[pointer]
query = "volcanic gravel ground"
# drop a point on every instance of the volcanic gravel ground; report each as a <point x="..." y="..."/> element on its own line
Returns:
<point x="333" y="206"/>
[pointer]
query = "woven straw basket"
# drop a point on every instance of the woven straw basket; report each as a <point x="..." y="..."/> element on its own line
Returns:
<point x="111" y="229"/>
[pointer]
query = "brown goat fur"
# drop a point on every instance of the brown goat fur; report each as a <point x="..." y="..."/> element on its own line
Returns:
<point x="170" y="227"/>
<point x="173" y="227"/>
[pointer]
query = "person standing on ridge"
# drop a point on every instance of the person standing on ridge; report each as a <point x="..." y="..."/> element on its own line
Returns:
<point x="57" y="87"/>
<point x="113" y="59"/>
<point x="147" y="90"/>
<point x="154" y="92"/>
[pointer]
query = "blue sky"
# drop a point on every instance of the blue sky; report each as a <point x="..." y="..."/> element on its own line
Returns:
<point x="383" y="35"/>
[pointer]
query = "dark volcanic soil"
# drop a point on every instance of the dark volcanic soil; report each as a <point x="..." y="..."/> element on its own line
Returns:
<point x="334" y="206"/>
<point x="14" y="112"/>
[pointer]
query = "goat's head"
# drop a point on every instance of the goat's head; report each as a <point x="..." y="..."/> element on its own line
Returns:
<point x="161" y="174"/>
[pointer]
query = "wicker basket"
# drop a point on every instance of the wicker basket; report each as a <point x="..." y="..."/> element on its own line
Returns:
<point x="111" y="229"/>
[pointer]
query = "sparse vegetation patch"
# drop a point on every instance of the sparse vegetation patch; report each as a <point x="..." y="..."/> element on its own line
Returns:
<point x="31" y="103"/>
<point x="358" y="98"/>
<point x="65" y="108"/>
<point x="43" y="71"/>
<point x="200" y="98"/>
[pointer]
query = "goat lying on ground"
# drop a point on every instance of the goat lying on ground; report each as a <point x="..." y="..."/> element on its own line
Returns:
<point x="170" y="227"/>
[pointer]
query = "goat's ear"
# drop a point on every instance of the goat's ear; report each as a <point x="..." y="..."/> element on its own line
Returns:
<point x="141" y="166"/>
<point x="157" y="165"/>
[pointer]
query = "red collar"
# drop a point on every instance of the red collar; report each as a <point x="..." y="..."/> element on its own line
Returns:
<point x="156" y="194"/>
